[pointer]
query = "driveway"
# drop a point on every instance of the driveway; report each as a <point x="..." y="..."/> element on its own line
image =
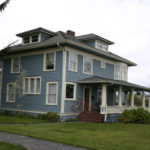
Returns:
<point x="35" y="144"/>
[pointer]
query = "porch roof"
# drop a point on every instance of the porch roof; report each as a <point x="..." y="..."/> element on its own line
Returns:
<point x="96" y="79"/>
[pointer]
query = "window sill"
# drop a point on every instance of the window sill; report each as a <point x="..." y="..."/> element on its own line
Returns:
<point x="51" y="104"/>
<point x="49" y="70"/>
<point x="10" y="101"/>
<point x="69" y="99"/>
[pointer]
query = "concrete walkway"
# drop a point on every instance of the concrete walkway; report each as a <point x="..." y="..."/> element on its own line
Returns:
<point x="35" y="144"/>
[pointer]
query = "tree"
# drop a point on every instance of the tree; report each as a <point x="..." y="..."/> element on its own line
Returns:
<point x="3" y="5"/>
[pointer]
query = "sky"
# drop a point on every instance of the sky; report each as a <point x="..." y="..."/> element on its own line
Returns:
<point x="125" y="22"/>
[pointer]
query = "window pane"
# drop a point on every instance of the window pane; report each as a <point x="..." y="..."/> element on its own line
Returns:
<point x="11" y="92"/>
<point x="16" y="65"/>
<point x="26" y="85"/>
<point x="87" y="65"/>
<point x="32" y="85"/>
<point x="72" y="59"/>
<point x="38" y="85"/>
<point x="26" y="40"/>
<point x="69" y="91"/>
<point x="52" y="99"/>
<point x="52" y="93"/>
<point x="35" y="38"/>
<point x="117" y="72"/>
<point x="50" y="61"/>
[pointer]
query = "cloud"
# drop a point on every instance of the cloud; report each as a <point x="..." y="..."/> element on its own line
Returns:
<point x="125" y="22"/>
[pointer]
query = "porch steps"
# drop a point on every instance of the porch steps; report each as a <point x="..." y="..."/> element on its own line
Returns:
<point x="90" y="117"/>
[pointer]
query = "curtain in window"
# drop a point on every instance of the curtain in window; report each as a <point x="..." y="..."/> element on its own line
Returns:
<point x="38" y="85"/>
<point x="11" y="92"/>
<point x="52" y="94"/>
<point x="50" y="61"/>
<point x="87" y="65"/>
<point x="72" y="59"/>
<point x="32" y="85"/>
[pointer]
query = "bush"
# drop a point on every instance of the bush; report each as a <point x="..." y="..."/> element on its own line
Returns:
<point x="71" y="120"/>
<point x="139" y="115"/>
<point x="50" y="117"/>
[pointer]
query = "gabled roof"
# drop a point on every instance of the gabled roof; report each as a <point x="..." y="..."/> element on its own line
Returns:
<point x="40" y="29"/>
<point x="64" y="39"/>
<point x="92" y="36"/>
<point x="96" y="79"/>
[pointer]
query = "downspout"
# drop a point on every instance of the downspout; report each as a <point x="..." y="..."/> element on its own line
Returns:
<point x="63" y="90"/>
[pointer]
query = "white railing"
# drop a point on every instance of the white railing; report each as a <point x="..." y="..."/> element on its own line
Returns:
<point x="118" y="109"/>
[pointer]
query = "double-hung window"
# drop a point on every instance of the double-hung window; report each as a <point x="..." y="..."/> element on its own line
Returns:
<point x="124" y="73"/>
<point x="10" y="92"/>
<point x="49" y="63"/>
<point x="72" y="61"/>
<point x="15" y="65"/>
<point x="117" y="72"/>
<point x="32" y="85"/>
<point x="87" y="65"/>
<point x="51" y="93"/>
<point x="70" y="91"/>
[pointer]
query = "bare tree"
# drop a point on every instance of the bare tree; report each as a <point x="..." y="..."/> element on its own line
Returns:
<point x="3" y="5"/>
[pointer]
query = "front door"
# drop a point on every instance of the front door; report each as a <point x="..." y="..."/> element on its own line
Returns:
<point x="86" y="99"/>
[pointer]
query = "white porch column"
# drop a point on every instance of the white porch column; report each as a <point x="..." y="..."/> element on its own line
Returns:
<point x="132" y="98"/>
<point x="120" y="96"/>
<point x="104" y="95"/>
<point x="143" y="99"/>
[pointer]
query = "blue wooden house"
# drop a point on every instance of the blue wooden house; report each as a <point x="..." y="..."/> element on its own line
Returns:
<point x="64" y="71"/>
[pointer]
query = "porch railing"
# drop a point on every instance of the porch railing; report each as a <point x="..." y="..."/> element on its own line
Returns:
<point x="118" y="109"/>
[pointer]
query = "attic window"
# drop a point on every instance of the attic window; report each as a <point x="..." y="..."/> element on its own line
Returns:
<point x="35" y="38"/>
<point x="101" y="46"/>
<point x="26" y="40"/>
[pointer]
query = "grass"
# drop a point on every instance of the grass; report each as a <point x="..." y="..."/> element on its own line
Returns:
<point x="94" y="136"/>
<point x="14" y="119"/>
<point x="7" y="146"/>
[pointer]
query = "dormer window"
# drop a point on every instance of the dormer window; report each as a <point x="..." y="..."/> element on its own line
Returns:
<point x="101" y="46"/>
<point x="31" y="39"/>
<point x="35" y="38"/>
<point x="26" y="40"/>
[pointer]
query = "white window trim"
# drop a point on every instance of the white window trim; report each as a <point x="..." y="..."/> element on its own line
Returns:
<point x="91" y="65"/>
<point x="120" y="77"/>
<point x="74" y="92"/>
<point x="30" y="39"/>
<point x="44" y="62"/>
<point x="34" y="77"/>
<point x="12" y="59"/>
<point x="47" y="83"/>
<point x="75" y="60"/>
<point x="7" y="100"/>
<point x="104" y="67"/>
<point x="102" y="43"/>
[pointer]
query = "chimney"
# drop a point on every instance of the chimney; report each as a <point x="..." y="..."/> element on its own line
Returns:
<point x="69" y="32"/>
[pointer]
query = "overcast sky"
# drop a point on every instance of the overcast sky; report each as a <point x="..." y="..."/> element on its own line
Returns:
<point x="125" y="22"/>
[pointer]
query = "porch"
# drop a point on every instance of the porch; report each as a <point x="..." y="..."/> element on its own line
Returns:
<point x="112" y="95"/>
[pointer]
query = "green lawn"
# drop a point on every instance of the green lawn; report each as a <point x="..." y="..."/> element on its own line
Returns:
<point x="10" y="119"/>
<point x="7" y="146"/>
<point x="93" y="135"/>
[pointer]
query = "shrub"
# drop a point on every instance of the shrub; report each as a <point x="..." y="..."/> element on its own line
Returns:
<point x="139" y="115"/>
<point x="50" y="117"/>
<point x="71" y="120"/>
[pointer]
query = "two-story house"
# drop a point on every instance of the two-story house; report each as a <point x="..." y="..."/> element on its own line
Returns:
<point x="62" y="70"/>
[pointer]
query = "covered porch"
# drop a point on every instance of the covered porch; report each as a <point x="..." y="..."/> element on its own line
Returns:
<point x="113" y="96"/>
